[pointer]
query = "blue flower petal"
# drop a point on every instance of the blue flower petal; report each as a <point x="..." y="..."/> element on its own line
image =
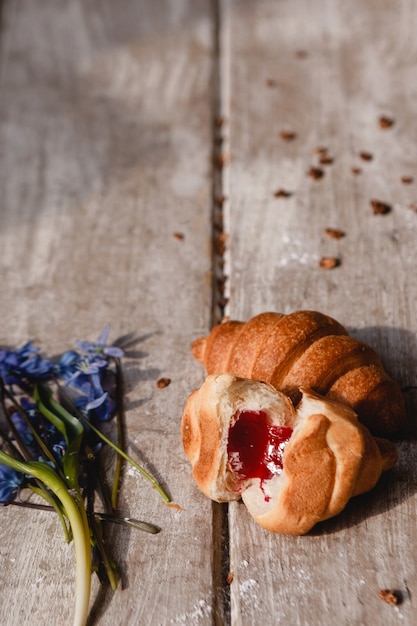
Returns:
<point x="10" y="481"/>
<point x="102" y="340"/>
<point x="93" y="404"/>
<point x="113" y="351"/>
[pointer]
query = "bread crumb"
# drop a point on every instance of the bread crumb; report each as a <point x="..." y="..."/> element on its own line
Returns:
<point x="380" y="208"/>
<point x="366" y="156"/>
<point x="326" y="159"/>
<point x="282" y="193"/>
<point x="229" y="578"/>
<point x="390" y="596"/>
<point x="329" y="262"/>
<point x="221" y="159"/>
<point x="386" y="122"/>
<point x="407" y="180"/>
<point x="172" y="505"/>
<point x="221" y="243"/>
<point x="356" y="170"/>
<point x="179" y="236"/>
<point x="271" y="82"/>
<point x="316" y="173"/>
<point x="288" y="135"/>
<point x="335" y="233"/>
<point x="163" y="382"/>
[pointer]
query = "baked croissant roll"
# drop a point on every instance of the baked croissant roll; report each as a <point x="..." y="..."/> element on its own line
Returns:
<point x="309" y="349"/>
<point x="292" y="468"/>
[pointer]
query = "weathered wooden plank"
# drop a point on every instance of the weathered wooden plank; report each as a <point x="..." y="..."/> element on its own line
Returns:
<point x="327" y="72"/>
<point x="105" y="170"/>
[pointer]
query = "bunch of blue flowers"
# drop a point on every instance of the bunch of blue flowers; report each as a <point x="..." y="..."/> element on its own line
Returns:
<point x="51" y="442"/>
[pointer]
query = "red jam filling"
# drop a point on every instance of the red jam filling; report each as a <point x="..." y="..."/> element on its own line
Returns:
<point x="255" y="447"/>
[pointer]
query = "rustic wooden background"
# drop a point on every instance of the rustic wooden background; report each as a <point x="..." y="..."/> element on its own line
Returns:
<point x="155" y="173"/>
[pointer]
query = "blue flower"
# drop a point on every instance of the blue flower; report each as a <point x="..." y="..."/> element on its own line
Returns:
<point x="25" y="362"/>
<point x="73" y="366"/>
<point x="101" y="408"/>
<point x="67" y="363"/>
<point x="10" y="482"/>
<point x="100" y="347"/>
<point x="22" y="428"/>
<point x="37" y="368"/>
<point x="95" y="406"/>
<point x="49" y="434"/>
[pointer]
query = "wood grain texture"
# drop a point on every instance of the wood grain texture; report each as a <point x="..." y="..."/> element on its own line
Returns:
<point x="106" y="173"/>
<point x="327" y="72"/>
<point x="105" y="134"/>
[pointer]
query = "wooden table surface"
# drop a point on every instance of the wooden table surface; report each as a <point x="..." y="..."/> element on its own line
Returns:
<point x="145" y="148"/>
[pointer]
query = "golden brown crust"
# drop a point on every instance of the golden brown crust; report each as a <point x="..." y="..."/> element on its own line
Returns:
<point x="329" y="458"/>
<point x="310" y="468"/>
<point x="307" y="348"/>
<point x="214" y="349"/>
<point x="202" y="440"/>
<point x="285" y="341"/>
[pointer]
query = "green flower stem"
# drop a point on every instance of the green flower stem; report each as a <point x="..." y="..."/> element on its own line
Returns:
<point x="46" y="495"/>
<point x="45" y="450"/>
<point x="108" y="565"/>
<point x="78" y="520"/>
<point x="127" y="458"/>
<point x="119" y="451"/>
<point x="127" y="521"/>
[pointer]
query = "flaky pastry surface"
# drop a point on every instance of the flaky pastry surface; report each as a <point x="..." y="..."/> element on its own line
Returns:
<point x="329" y="458"/>
<point x="310" y="349"/>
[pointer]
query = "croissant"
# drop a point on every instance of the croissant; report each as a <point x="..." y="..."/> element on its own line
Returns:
<point x="292" y="468"/>
<point x="309" y="349"/>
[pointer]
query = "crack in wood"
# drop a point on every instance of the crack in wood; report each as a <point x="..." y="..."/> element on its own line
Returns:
<point x="221" y="159"/>
<point x="220" y="512"/>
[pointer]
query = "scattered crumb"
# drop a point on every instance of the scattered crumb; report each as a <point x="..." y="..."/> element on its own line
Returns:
<point x="179" y="236"/>
<point x="220" y="121"/>
<point x="301" y="54"/>
<point x="221" y="200"/>
<point x="407" y="180"/>
<point x="326" y="159"/>
<point x="390" y="596"/>
<point x="366" y="156"/>
<point x="282" y="193"/>
<point x="163" y="382"/>
<point x="288" y="135"/>
<point x="271" y="82"/>
<point x="329" y="262"/>
<point x="229" y="578"/>
<point x="356" y="170"/>
<point x="316" y="173"/>
<point x="221" y="243"/>
<point x="321" y="150"/>
<point x="386" y="122"/>
<point x="413" y="206"/>
<point x="380" y="208"/>
<point x="335" y="233"/>
<point x="221" y="160"/>
<point x="172" y="505"/>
